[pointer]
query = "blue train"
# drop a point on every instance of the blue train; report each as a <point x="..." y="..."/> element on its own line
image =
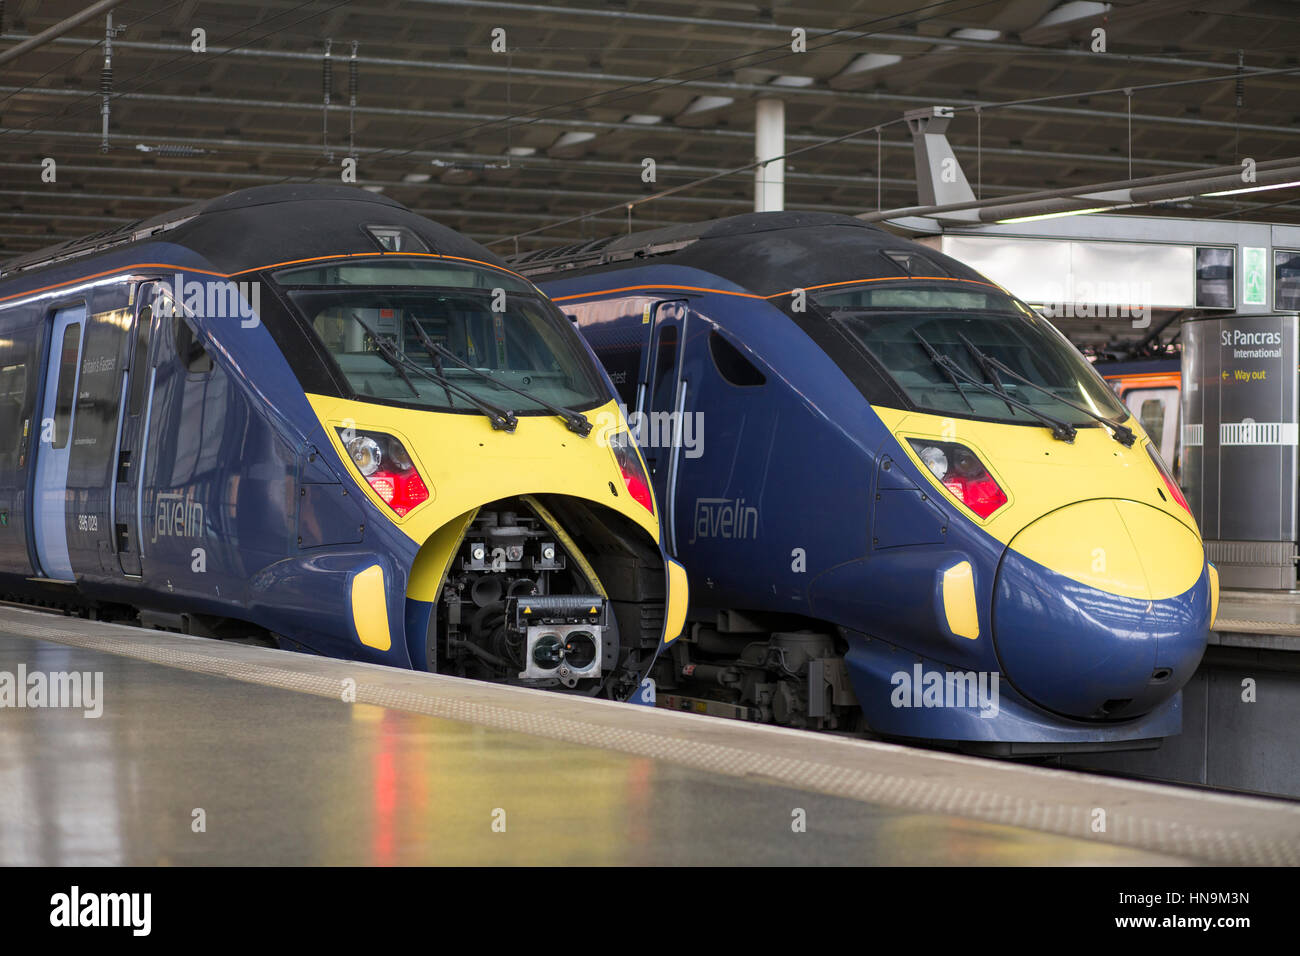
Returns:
<point x="906" y="504"/>
<point x="305" y="416"/>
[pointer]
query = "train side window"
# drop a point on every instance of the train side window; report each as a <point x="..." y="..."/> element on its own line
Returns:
<point x="665" y="367"/>
<point x="140" y="360"/>
<point x="189" y="349"/>
<point x="13" y="390"/>
<point x="732" y="364"/>
<point x="67" y="388"/>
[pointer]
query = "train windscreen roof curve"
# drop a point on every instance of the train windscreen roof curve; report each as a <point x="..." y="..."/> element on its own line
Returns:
<point x="238" y="231"/>
<point x="766" y="253"/>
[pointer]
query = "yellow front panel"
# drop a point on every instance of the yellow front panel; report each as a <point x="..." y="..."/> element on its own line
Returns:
<point x="465" y="463"/>
<point x="370" y="608"/>
<point x="431" y="563"/>
<point x="1038" y="473"/>
<point x="1088" y="542"/>
<point x="1172" y="556"/>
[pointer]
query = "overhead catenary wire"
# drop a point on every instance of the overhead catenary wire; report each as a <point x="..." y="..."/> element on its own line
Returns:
<point x="605" y="97"/>
<point x="81" y="102"/>
<point x="58" y="29"/>
<point x="1128" y="91"/>
<point x="93" y="45"/>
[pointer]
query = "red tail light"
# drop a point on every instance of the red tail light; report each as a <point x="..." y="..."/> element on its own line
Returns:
<point x="634" y="476"/>
<point x="400" y="492"/>
<point x="1174" y="491"/>
<point x="387" y="468"/>
<point x="963" y="474"/>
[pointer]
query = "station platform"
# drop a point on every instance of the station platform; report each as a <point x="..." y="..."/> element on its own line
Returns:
<point x="1260" y="619"/>
<point x="292" y="759"/>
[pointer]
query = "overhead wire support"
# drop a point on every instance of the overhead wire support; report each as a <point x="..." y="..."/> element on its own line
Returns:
<point x="327" y="85"/>
<point x="977" y="108"/>
<point x="60" y="28"/>
<point x="106" y="80"/>
<point x="352" y="102"/>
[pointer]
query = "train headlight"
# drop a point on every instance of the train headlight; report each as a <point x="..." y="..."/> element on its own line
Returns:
<point x="935" y="460"/>
<point x="365" y="454"/>
<point x="387" y="468"/>
<point x="962" y="474"/>
<point x="1174" y="491"/>
<point x="629" y="464"/>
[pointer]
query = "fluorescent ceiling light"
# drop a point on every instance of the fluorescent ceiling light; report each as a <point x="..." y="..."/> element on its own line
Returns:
<point x="975" y="33"/>
<point x="1074" y="10"/>
<point x="416" y="178"/>
<point x="870" y="61"/>
<point x="521" y="151"/>
<point x="798" y="81"/>
<point x="643" y="119"/>
<point x="1253" y="189"/>
<point x="702" y="104"/>
<point x="572" y="139"/>
<point x="1055" y="215"/>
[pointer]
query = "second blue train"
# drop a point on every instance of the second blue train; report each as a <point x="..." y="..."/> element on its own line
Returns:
<point x="906" y="503"/>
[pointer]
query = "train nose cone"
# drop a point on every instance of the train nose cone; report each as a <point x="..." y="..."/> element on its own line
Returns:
<point x="1101" y="609"/>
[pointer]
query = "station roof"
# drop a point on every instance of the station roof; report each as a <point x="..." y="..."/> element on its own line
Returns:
<point x="498" y="143"/>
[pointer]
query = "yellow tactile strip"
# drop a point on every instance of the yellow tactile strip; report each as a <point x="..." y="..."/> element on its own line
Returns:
<point x="1197" y="825"/>
<point x="1229" y="626"/>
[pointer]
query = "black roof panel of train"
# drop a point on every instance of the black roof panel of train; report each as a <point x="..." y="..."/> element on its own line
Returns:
<point x="265" y="225"/>
<point x="766" y="253"/>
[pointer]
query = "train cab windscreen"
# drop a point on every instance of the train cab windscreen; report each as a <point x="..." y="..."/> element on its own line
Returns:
<point x="970" y="352"/>
<point x="444" y="336"/>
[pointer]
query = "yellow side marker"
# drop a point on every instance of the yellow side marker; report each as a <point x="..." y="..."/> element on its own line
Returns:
<point x="959" y="601"/>
<point x="370" y="608"/>
<point x="1214" y="593"/>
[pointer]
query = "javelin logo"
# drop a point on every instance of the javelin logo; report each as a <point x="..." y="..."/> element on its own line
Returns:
<point x="724" y="518"/>
<point x="177" y="516"/>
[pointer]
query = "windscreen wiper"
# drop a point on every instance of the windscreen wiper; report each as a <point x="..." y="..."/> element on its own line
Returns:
<point x="574" y="421"/>
<point x="1062" y="431"/>
<point x="433" y="353"/>
<point x="983" y="361"/>
<point x="388" y="352"/>
<point x="1121" y="433"/>
<point x="500" y="418"/>
<point x="937" y="359"/>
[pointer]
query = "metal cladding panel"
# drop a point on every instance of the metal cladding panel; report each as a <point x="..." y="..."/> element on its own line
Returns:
<point x="1240" y="427"/>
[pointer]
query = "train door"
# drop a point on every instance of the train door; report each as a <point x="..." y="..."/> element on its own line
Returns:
<point x="133" y="433"/>
<point x="1156" y="409"/>
<point x="58" y="408"/>
<point x="663" y="408"/>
